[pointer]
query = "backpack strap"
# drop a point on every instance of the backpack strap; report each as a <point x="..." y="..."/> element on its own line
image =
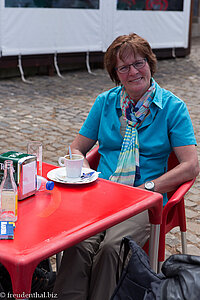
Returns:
<point x="124" y="244"/>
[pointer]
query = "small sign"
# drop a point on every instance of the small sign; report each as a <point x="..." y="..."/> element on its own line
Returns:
<point x="7" y="230"/>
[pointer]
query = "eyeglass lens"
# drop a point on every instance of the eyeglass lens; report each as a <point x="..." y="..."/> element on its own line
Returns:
<point x="137" y="65"/>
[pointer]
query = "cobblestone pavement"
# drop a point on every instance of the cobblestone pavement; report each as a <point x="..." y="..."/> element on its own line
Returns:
<point x="52" y="110"/>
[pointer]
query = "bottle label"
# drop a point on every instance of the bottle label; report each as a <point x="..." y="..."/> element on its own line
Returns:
<point x="9" y="204"/>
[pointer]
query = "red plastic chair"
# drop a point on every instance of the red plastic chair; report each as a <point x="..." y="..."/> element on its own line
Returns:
<point x="173" y="212"/>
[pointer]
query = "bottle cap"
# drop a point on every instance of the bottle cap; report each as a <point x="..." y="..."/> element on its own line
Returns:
<point x="50" y="185"/>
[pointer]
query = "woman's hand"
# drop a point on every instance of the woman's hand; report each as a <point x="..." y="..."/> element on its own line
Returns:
<point x="81" y="145"/>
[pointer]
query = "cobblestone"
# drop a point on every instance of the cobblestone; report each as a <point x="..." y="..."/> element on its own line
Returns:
<point x="52" y="110"/>
<point x="192" y="249"/>
<point x="191" y="214"/>
<point x="190" y="203"/>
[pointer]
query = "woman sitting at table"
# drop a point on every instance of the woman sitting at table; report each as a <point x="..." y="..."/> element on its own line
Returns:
<point x="137" y="124"/>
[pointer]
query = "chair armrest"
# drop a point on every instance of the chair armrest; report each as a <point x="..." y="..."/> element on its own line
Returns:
<point x="178" y="195"/>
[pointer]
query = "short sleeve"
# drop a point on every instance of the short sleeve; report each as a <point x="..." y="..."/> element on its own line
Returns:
<point x="90" y="127"/>
<point x="181" y="131"/>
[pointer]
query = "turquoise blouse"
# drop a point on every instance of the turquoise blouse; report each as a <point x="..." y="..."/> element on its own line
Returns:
<point x="168" y="125"/>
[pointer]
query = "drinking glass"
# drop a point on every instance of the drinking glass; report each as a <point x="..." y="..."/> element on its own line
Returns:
<point x="35" y="148"/>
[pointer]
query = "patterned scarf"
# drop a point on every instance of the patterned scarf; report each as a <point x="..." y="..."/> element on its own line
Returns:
<point x="128" y="169"/>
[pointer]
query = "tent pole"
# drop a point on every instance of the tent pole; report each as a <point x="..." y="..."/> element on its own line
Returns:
<point x="56" y="65"/>
<point x="173" y="53"/>
<point x="21" y="69"/>
<point x="88" y="63"/>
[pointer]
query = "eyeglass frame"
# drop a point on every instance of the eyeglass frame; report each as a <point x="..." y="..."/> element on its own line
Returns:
<point x="133" y="64"/>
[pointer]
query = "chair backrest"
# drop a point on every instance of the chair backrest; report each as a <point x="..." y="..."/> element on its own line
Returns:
<point x="172" y="163"/>
<point x="93" y="157"/>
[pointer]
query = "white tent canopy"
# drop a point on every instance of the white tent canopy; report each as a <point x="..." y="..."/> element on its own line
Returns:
<point x="37" y="30"/>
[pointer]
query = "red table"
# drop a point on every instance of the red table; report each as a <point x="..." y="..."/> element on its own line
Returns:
<point x="51" y="221"/>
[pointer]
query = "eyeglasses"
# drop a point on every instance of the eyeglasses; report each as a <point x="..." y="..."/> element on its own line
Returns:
<point x="139" y="64"/>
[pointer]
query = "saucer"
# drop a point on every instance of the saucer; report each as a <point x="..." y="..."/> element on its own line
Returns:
<point x="59" y="175"/>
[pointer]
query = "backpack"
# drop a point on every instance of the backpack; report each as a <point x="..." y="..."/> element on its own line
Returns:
<point x="179" y="279"/>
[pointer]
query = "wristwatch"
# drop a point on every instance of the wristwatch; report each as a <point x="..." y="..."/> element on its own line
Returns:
<point x="149" y="185"/>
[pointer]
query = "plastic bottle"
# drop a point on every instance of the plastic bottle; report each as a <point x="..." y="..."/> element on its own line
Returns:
<point x="8" y="194"/>
<point x="43" y="184"/>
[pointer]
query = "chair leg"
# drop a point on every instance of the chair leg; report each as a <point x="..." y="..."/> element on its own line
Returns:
<point x="184" y="248"/>
<point x="160" y="263"/>
<point x="184" y="242"/>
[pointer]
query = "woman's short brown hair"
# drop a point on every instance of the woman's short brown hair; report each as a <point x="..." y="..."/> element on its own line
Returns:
<point x="125" y="45"/>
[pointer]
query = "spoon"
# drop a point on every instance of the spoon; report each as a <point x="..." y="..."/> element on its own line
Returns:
<point x="70" y="153"/>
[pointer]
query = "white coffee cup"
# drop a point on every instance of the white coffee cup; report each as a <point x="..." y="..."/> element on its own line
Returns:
<point x="73" y="165"/>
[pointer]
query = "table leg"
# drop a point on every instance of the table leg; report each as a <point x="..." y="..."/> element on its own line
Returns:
<point x="21" y="278"/>
<point x="154" y="245"/>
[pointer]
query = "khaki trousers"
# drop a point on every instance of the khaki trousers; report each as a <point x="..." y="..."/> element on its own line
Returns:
<point x="88" y="269"/>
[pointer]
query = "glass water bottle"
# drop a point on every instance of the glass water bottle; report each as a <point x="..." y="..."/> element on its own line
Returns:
<point x="8" y="194"/>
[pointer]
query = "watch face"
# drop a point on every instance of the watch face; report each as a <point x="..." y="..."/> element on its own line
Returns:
<point x="149" y="185"/>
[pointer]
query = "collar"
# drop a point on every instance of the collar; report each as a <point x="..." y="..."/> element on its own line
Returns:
<point x="158" y="99"/>
<point x="118" y="98"/>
